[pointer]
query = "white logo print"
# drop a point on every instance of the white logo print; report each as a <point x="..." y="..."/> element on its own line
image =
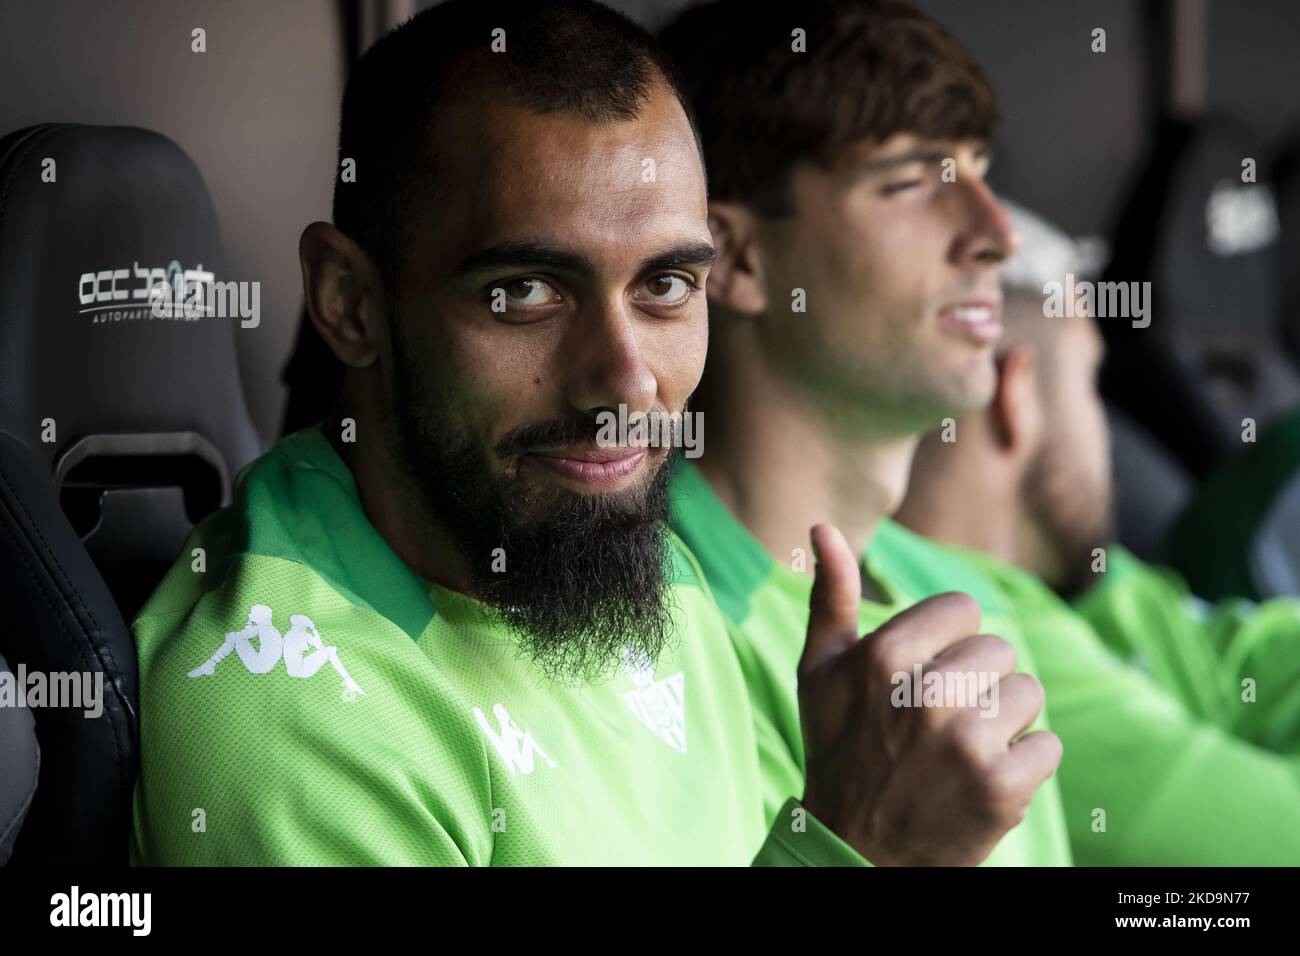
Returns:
<point x="515" y="746"/>
<point x="166" y="293"/>
<point x="661" y="705"/>
<point x="294" y="647"/>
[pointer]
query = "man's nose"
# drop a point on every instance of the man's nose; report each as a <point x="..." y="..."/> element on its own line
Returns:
<point x="988" y="235"/>
<point x="606" y="362"/>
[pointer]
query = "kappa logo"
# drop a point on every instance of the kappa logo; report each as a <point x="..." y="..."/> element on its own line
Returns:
<point x="516" y="747"/>
<point x="303" y="651"/>
<point x="661" y="705"/>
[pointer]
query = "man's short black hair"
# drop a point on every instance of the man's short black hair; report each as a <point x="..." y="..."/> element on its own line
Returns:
<point x="561" y="56"/>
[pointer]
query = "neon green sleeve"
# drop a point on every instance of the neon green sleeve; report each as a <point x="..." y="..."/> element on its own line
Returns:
<point x="797" y="838"/>
<point x="225" y="788"/>
<point x="1234" y="663"/>
<point x="270" y="770"/>
<point x="1144" y="781"/>
<point x="1259" y="648"/>
<point x="767" y="658"/>
<point x="774" y="702"/>
<point x="228" y="781"/>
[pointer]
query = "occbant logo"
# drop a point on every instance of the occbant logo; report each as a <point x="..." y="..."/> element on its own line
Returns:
<point x="166" y="292"/>
<point x="102" y="909"/>
<point x="1239" y="219"/>
<point x="111" y="295"/>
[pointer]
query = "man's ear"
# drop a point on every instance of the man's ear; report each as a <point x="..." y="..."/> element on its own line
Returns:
<point x="736" y="280"/>
<point x="343" y="291"/>
<point x="1017" y="406"/>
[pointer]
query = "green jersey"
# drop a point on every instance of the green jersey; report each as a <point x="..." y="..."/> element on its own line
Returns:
<point x="1145" y="778"/>
<point x="768" y="602"/>
<point x="306" y="698"/>
<point x="1234" y="663"/>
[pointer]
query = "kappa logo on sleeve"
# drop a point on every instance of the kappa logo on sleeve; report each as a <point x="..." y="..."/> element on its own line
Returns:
<point x="516" y="747"/>
<point x="303" y="651"/>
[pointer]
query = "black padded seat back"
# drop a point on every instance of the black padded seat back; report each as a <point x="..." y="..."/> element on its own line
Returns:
<point x="20" y="767"/>
<point x="139" y="420"/>
<point x="1216" y="248"/>
<point x="1208" y="243"/>
<point x="1287" y="179"/>
<point x="1151" y="487"/>
<point x="61" y="623"/>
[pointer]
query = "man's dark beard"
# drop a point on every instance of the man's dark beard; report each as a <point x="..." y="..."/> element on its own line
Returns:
<point x="584" y="585"/>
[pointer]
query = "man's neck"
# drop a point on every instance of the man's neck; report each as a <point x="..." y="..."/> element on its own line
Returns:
<point x="963" y="517"/>
<point x="966" y="494"/>
<point x="383" y="489"/>
<point x="784" y="463"/>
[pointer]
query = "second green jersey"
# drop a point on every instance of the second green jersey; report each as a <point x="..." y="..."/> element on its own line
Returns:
<point x="768" y="601"/>
<point x="1234" y="663"/>
<point x="1146" y="781"/>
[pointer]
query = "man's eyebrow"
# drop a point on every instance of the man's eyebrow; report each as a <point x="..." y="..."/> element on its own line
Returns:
<point x="691" y="253"/>
<point x="531" y="255"/>
<point x="922" y="154"/>
<point x="887" y="163"/>
<point x="524" y="255"/>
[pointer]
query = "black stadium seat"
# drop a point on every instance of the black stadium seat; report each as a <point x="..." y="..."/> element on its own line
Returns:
<point x="1286" y="174"/>
<point x="1207" y="242"/>
<point x="1151" y="487"/>
<point x="22" y="762"/>
<point x="62" y="620"/>
<point x="1240" y="534"/>
<point x="118" y="431"/>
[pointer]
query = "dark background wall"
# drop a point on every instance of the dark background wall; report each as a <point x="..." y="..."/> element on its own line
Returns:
<point x="1076" y="123"/>
<point x="258" y="111"/>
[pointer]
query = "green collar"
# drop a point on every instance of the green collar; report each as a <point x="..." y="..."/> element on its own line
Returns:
<point x="736" y="563"/>
<point x="304" y="505"/>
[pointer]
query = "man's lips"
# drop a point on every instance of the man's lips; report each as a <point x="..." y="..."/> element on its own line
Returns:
<point x="978" y="321"/>
<point x="590" y="464"/>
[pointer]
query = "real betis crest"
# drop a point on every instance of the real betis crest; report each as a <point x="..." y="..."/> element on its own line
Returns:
<point x="661" y="705"/>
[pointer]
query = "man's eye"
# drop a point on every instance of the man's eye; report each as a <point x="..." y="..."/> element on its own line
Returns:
<point x="526" y="293"/>
<point x="669" y="289"/>
<point x="890" y="189"/>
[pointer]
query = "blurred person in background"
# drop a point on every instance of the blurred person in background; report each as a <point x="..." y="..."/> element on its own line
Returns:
<point x="855" y="306"/>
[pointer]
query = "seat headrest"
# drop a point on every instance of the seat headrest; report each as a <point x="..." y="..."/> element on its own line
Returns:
<point x="1216" y="256"/>
<point x="1287" y="176"/>
<point x="1206" y="240"/>
<point x="91" y="219"/>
